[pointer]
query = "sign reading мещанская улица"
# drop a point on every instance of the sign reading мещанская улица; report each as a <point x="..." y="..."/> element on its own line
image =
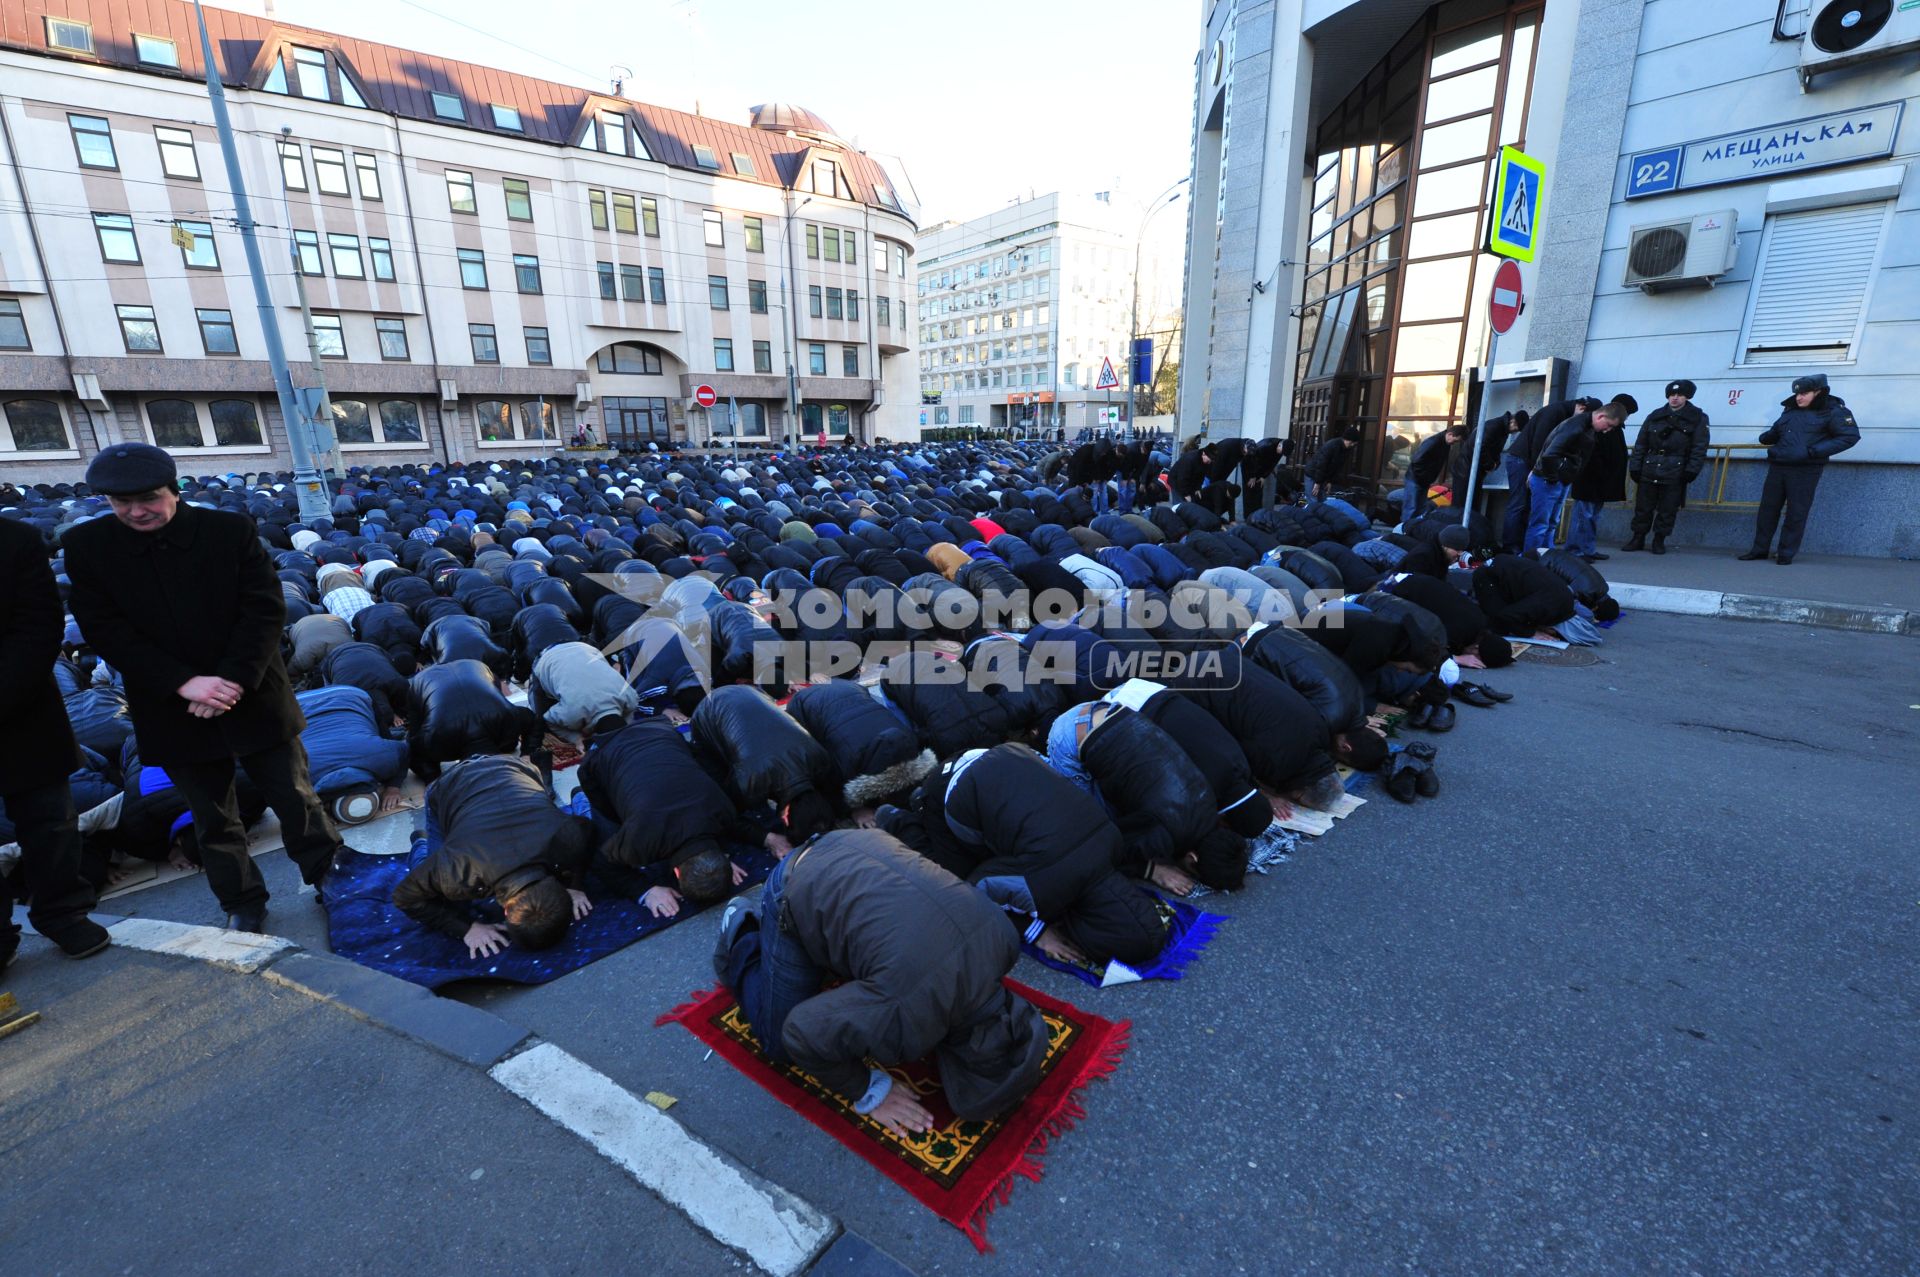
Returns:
<point x="1820" y="141"/>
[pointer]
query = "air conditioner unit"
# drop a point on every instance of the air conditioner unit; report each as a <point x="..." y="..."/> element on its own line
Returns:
<point x="1682" y="254"/>
<point x="1843" y="32"/>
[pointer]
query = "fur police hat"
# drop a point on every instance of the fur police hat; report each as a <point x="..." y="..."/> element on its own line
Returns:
<point x="1801" y="385"/>
<point x="128" y="469"/>
<point x="1682" y="387"/>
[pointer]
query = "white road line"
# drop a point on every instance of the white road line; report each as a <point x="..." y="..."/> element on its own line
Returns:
<point x="236" y="950"/>
<point x="776" y="1230"/>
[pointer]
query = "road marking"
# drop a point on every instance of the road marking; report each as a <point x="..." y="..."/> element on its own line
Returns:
<point x="242" y="951"/>
<point x="1666" y="598"/>
<point x="776" y="1230"/>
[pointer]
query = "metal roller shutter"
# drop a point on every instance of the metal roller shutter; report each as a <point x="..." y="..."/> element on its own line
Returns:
<point x="1811" y="288"/>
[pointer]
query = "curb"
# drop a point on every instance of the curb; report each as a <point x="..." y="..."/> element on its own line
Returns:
<point x="776" y="1230"/>
<point x="1866" y="618"/>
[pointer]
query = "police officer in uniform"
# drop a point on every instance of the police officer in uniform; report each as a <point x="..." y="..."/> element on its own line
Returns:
<point x="1669" y="454"/>
<point x="1814" y="425"/>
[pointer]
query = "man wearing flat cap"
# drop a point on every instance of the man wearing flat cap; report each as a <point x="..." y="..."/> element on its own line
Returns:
<point x="1669" y="454"/>
<point x="184" y="603"/>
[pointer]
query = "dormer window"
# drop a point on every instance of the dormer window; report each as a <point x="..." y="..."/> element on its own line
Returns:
<point x="312" y="77"/>
<point x="506" y="117"/>
<point x="705" y="158"/>
<point x="826" y="178"/>
<point x="310" y="72"/>
<point x="610" y="131"/>
<point x="447" y="106"/>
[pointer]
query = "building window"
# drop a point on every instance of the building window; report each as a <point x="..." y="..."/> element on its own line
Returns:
<point x="885" y="318"/>
<point x="32" y="425"/>
<point x="473" y="268"/>
<point x="757" y="296"/>
<point x="1840" y="246"/>
<point x="753" y="420"/>
<point x="826" y="178"/>
<point x="506" y="117"/>
<point x="629" y="358"/>
<point x="355" y="422"/>
<point x="743" y="165"/>
<point x="139" y="330"/>
<point x="839" y="419"/>
<point x="381" y="251"/>
<point x="763" y="356"/>
<point x="900" y="259"/>
<point x="717" y="292"/>
<point x="494" y="417"/>
<point x="306" y="248"/>
<point x="835" y="310"/>
<point x="608" y="284"/>
<point x="64" y="33"/>
<point x="235" y="423"/>
<point x="117" y="242"/>
<point x="526" y="272"/>
<point x="310" y="72"/>
<point x="93" y="141"/>
<point x="351" y="421"/>
<point x="329" y="337"/>
<point x="330" y="171"/>
<point x="367" y="169"/>
<point x="849" y="250"/>
<point x="813" y="240"/>
<point x="198" y="253"/>
<point x="13" y="326"/>
<point x="536" y="419"/>
<point x="623" y="218"/>
<point x="850" y="361"/>
<point x="539" y="349"/>
<point x="486" y="350"/>
<point x="613" y="132"/>
<point x="711" y="227"/>
<point x="345" y="252"/>
<point x="174" y="423"/>
<point x="830" y="244"/>
<point x="650" y="217"/>
<point x="400" y="420"/>
<point x="519" y="199"/>
<point x="853" y="304"/>
<point x="293" y="168"/>
<point x="657" y="285"/>
<point x="392" y="332"/>
<point x="177" y="156"/>
<point x="632" y="286"/>
<point x="156" y="51"/>
<point x="447" y="106"/>
<point x="705" y="158"/>
<point x="817" y="358"/>
<point x="723" y="354"/>
<point x="597" y="209"/>
<point x="460" y="197"/>
<point x="813" y="301"/>
<point x="756" y="235"/>
<point x="216" y="332"/>
<point x="966" y="414"/>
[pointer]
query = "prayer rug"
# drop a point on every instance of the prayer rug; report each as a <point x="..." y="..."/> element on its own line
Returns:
<point x="958" y="1170"/>
<point x="1188" y="933"/>
<point x="364" y="924"/>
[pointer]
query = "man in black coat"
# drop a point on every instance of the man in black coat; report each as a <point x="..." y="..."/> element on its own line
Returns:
<point x="1520" y="596"/>
<point x="1669" y="454"/>
<point x="1814" y="426"/>
<point x="1523" y="448"/>
<point x="1328" y="468"/>
<point x="37" y="753"/>
<point x="1188" y="474"/>
<point x="1601" y="481"/>
<point x="185" y="604"/>
<point x="1560" y="463"/>
<point x="1424" y="468"/>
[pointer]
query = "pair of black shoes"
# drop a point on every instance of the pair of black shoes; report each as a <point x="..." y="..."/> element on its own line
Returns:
<point x="1479" y="694"/>
<point x="1432" y="718"/>
<point x="1410" y="772"/>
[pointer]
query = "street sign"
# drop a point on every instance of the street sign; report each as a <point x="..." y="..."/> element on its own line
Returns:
<point x="1142" y="357"/>
<point x="1514" y="228"/>
<point x="1505" y="302"/>
<point x="704" y="396"/>
<point x="1109" y="379"/>
<point x="1844" y="137"/>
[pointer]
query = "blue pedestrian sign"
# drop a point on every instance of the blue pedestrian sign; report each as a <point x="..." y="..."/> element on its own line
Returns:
<point x="1513" y="229"/>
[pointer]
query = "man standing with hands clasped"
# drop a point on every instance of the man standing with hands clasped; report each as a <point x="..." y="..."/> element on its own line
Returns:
<point x="1669" y="454"/>
<point x="1814" y="425"/>
<point x="185" y="604"/>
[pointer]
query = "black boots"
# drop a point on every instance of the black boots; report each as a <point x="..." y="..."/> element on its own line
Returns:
<point x="1659" y="545"/>
<point x="1751" y="555"/>
<point x="1635" y="542"/>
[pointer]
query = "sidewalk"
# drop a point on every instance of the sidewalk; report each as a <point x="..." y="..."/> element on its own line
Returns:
<point x="1875" y="595"/>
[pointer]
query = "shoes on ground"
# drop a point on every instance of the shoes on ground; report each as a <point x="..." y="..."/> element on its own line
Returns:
<point x="81" y="939"/>
<point x="1596" y="557"/>
<point x="1473" y="694"/>
<point x="1751" y="555"/>
<point x="1419" y="715"/>
<point x="356" y="808"/>
<point x="1422" y="750"/>
<point x="1441" y="720"/>
<point x="1426" y="781"/>
<point x="254" y="920"/>
<point x="1636" y="543"/>
<point x="1403" y="777"/>
<point x="1498" y="696"/>
<point x="1784" y="559"/>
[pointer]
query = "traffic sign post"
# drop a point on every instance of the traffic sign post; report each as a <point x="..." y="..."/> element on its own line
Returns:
<point x="1505" y="301"/>
<point x="1513" y="223"/>
<point x="704" y="396"/>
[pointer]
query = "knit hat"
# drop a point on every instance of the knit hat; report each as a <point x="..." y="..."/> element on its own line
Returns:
<point x="1682" y="387"/>
<point x="1456" y="537"/>
<point x="128" y="469"/>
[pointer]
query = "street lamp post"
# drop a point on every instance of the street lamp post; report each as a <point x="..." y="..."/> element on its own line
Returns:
<point x="789" y="299"/>
<point x="1164" y="199"/>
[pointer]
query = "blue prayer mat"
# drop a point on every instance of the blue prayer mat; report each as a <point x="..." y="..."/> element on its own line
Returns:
<point x="364" y="924"/>
<point x="1188" y="933"/>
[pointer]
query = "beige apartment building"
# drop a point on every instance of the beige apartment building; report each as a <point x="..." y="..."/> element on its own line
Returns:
<point x="493" y="262"/>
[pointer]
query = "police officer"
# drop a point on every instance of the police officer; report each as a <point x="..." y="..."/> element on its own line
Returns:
<point x="1669" y="454"/>
<point x="1813" y="426"/>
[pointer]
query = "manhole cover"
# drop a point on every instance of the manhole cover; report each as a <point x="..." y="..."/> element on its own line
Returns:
<point x="1572" y="657"/>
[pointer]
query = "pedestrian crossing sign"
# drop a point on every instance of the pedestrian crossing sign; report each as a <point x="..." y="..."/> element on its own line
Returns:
<point x="1513" y="228"/>
<point x="1109" y="379"/>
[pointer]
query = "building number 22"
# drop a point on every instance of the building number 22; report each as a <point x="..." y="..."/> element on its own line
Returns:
<point x="1652" y="172"/>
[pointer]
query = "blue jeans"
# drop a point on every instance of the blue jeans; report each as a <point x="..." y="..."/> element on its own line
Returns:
<point x="1097" y="492"/>
<point x="1582" y="529"/>
<point x="769" y="971"/>
<point x="1410" y="501"/>
<point x="1544" y="499"/>
<point x="1126" y="496"/>
<point x="1513" y="532"/>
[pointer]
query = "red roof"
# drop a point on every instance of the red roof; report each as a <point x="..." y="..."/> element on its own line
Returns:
<point x="399" y="81"/>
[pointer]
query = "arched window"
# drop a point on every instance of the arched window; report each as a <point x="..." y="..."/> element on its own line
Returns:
<point x="536" y="419"/>
<point x="175" y="423"/>
<point x="350" y="422"/>
<point x="400" y="420"/>
<point x="235" y="423"/>
<point x="630" y="358"/>
<point x="36" y="425"/>
<point x="494" y="417"/>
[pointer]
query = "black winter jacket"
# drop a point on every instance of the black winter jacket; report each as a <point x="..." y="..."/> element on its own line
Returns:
<point x="1671" y="446"/>
<point x="454" y="711"/>
<point x="949" y="711"/>
<point x="1283" y="738"/>
<point x="1162" y="803"/>
<point x="1313" y="671"/>
<point x="1520" y="595"/>
<point x="655" y="804"/>
<point x="1585" y="580"/>
<point x="767" y="756"/>
<point x="1539" y="428"/>
<point x="875" y="753"/>
<point x="1461" y="617"/>
<point x="465" y="638"/>
<point x="1429" y="460"/>
<point x="37" y="747"/>
<point x="1567" y="449"/>
<point x="1812" y="435"/>
<point x="366" y="667"/>
<point x="1330" y="462"/>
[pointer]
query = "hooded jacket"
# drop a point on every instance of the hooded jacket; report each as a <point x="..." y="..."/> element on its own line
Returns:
<point x="920" y="957"/>
<point x="1671" y="446"/>
<point x="874" y="751"/>
<point x="1810" y="436"/>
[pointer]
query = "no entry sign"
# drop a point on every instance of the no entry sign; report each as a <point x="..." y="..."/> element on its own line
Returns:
<point x="704" y="396"/>
<point x="1503" y="306"/>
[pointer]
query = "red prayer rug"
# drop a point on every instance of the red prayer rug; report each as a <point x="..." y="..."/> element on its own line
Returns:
<point x="959" y="1170"/>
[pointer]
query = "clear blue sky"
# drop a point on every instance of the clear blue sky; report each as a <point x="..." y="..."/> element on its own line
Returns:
<point x="984" y="100"/>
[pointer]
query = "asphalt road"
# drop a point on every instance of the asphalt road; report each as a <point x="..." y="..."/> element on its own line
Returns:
<point x="1636" y="993"/>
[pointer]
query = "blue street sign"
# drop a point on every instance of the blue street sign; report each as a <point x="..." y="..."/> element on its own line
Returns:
<point x="1514" y="229"/>
<point x="1142" y="360"/>
<point x="1654" y="172"/>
